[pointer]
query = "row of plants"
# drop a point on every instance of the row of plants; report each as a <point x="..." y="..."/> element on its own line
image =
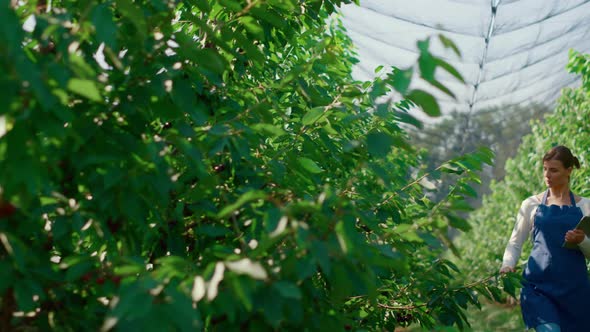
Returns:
<point x="212" y="165"/>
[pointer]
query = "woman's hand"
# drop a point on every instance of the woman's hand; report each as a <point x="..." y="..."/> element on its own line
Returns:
<point x="575" y="236"/>
<point x="506" y="269"/>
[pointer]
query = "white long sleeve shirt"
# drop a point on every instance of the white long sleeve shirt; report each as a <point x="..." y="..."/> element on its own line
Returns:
<point x="524" y="227"/>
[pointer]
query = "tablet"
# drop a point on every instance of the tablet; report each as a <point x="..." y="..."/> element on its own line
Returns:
<point x="584" y="225"/>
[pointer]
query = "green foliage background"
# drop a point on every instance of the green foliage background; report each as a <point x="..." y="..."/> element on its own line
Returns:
<point x="212" y="165"/>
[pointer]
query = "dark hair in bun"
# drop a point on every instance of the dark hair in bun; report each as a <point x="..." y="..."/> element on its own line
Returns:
<point x="564" y="155"/>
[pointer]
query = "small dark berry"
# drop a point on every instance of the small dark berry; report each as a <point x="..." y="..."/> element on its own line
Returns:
<point x="6" y="210"/>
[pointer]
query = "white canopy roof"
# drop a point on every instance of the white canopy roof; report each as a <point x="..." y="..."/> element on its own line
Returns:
<point x="513" y="51"/>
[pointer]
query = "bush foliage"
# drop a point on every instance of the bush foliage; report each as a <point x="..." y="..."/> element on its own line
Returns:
<point x="212" y="165"/>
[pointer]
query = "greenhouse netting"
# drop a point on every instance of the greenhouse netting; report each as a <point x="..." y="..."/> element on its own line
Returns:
<point x="512" y="52"/>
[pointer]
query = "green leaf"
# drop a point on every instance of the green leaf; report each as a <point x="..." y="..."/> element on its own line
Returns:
<point x="6" y="276"/>
<point x="212" y="231"/>
<point x="245" y="198"/>
<point x="461" y="205"/>
<point x="272" y="309"/>
<point x="183" y="97"/>
<point x="24" y="295"/>
<point x="252" y="26"/>
<point x="85" y="88"/>
<point x="203" y="5"/>
<point x="496" y="294"/>
<point x="509" y="286"/>
<point x="130" y="269"/>
<point x="443" y="88"/>
<point x="269" y="129"/>
<point x="211" y="60"/>
<point x="105" y="27"/>
<point x="231" y="4"/>
<point x="468" y="190"/>
<point x="312" y="115"/>
<point x="378" y="89"/>
<point x="271" y="219"/>
<point x="379" y="144"/>
<point x="462" y="299"/>
<point x="426" y="101"/>
<point x="347" y="235"/>
<point x="408" y="233"/>
<point x="252" y="53"/>
<point x="243" y="292"/>
<point x="309" y="165"/>
<point x="403" y="116"/>
<point x="426" y="61"/>
<point x="80" y="68"/>
<point x="450" y="69"/>
<point x="458" y="222"/>
<point x="270" y="16"/>
<point x="75" y="271"/>
<point x="134" y="14"/>
<point x="319" y="251"/>
<point x="447" y="43"/>
<point x="401" y="79"/>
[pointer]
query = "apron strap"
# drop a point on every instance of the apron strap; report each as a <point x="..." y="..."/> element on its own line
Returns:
<point x="572" y="198"/>
<point x="544" y="201"/>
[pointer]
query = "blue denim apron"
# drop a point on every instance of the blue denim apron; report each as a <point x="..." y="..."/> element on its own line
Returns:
<point x="556" y="288"/>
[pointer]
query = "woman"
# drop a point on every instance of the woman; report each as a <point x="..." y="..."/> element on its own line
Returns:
<point x="556" y="289"/>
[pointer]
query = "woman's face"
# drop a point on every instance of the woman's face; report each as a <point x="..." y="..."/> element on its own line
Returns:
<point x="555" y="174"/>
